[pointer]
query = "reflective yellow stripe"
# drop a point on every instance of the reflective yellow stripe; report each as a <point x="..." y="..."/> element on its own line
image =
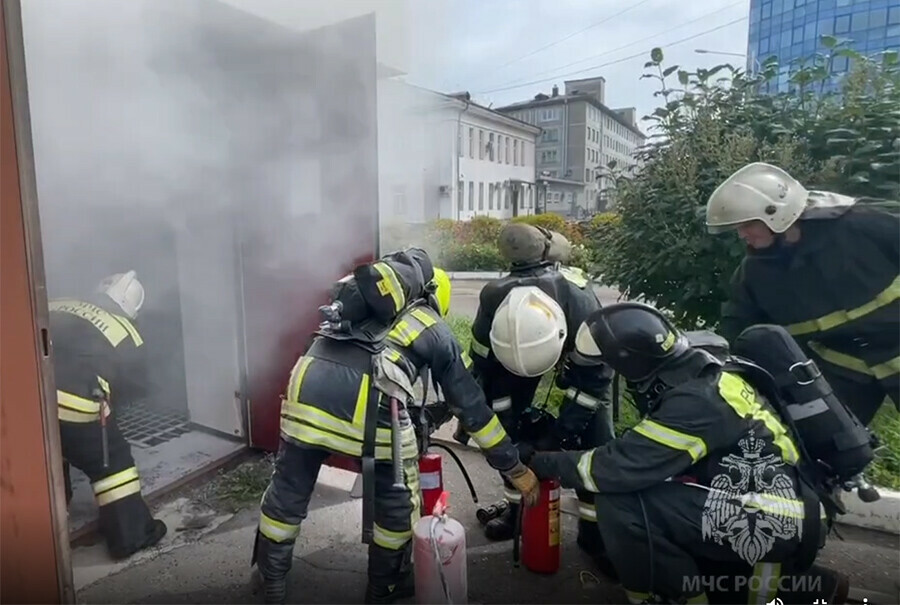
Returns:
<point x="277" y="531"/>
<point x="879" y="371"/>
<point x="392" y="540"/>
<point x="129" y="474"/>
<point x="423" y="316"/>
<point x="67" y="415"/>
<point x="575" y="275"/>
<point x="118" y="493"/>
<point x="113" y="327"/>
<point x="694" y="446"/>
<point x="297" y="373"/>
<point x="79" y="404"/>
<point x="104" y="386"/>
<point x="393" y="355"/>
<point x="389" y="284"/>
<point x="775" y="505"/>
<point x="479" y="349"/>
<point x="586" y="511"/>
<point x="117" y="486"/>
<point x="744" y="400"/>
<point x="762" y="586"/>
<point x="502" y="404"/>
<point x="351" y="447"/>
<point x="637" y="597"/>
<point x="323" y="420"/>
<point x="490" y="434"/>
<point x="585" y="463"/>
<point x="583" y="399"/>
<point x="466" y="359"/>
<point x="837" y="318"/>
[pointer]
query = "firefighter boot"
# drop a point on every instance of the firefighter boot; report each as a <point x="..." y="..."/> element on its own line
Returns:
<point x="273" y="562"/>
<point x="503" y="527"/>
<point x="591" y="542"/>
<point x="403" y="588"/>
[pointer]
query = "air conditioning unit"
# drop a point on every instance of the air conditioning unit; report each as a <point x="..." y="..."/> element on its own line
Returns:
<point x="444" y="190"/>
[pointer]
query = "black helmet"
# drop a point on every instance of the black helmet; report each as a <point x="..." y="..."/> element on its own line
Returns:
<point x="634" y="339"/>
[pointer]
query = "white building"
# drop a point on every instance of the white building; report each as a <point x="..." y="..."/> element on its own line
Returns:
<point x="443" y="156"/>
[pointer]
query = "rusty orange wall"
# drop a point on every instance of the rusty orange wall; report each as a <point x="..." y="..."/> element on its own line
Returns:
<point x="28" y="560"/>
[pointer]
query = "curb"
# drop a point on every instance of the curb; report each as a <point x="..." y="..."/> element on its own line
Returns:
<point x="476" y="275"/>
<point x="881" y="515"/>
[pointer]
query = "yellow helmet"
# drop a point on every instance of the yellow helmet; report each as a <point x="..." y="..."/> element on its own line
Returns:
<point x="442" y="290"/>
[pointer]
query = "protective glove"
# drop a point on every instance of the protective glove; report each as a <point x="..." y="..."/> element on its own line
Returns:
<point x="526" y="483"/>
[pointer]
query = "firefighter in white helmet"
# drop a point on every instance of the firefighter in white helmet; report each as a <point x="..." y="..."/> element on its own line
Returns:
<point x="96" y="344"/>
<point x="524" y="328"/>
<point x="824" y="266"/>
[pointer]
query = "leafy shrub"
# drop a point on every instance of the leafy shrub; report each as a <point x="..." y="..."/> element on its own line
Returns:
<point x="554" y="222"/>
<point x="847" y="140"/>
<point x="471" y="257"/>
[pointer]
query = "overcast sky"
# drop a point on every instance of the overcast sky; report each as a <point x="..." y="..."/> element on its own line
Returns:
<point x="485" y="45"/>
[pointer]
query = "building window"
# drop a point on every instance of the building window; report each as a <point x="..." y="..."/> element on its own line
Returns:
<point x="460" y="197"/>
<point x="894" y="15"/>
<point x="480" y="144"/>
<point x="587" y="175"/>
<point x="548" y="115"/>
<point x="480" y="196"/>
<point x="506" y="152"/>
<point x="548" y="155"/>
<point x="550" y="135"/>
<point x="842" y="24"/>
<point x="471" y="195"/>
<point x="505" y="198"/>
<point x="492" y="190"/>
<point x="516" y="152"/>
<point x="472" y="143"/>
<point x="491" y="147"/>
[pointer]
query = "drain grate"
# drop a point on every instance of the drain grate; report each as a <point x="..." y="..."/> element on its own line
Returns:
<point x="146" y="427"/>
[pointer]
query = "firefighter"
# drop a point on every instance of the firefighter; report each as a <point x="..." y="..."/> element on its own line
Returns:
<point x="708" y="478"/>
<point x="338" y="402"/>
<point x="95" y="344"/>
<point x="824" y="266"/>
<point x="515" y="342"/>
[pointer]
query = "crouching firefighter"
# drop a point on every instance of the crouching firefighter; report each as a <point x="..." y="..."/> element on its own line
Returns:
<point x="95" y="345"/>
<point x="524" y="328"/>
<point x="708" y="484"/>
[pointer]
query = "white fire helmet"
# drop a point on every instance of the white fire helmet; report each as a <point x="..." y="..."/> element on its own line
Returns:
<point x="125" y="290"/>
<point x="528" y="331"/>
<point x="758" y="191"/>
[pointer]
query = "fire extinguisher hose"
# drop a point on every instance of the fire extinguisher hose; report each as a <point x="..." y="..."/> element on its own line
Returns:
<point x="462" y="469"/>
<point x="437" y="554"/>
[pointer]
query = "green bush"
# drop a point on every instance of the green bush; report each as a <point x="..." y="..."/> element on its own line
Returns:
<point x="471" y="257"/>
<point x="846" y="141"/>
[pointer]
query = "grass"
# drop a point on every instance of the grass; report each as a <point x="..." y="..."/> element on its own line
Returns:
<point x="241" y="486"/>
<point x="884" y="470"/>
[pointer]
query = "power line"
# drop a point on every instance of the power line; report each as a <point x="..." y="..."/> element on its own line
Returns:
<point x="623" y="59"/>
<point x="635" y="42"/>
<point x="572" y="35"/>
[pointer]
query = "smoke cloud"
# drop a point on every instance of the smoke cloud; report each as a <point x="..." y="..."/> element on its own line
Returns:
<point x="228" y="160"/>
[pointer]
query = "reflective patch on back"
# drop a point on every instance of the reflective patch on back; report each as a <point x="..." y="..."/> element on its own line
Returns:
<point x="575" y="276"/>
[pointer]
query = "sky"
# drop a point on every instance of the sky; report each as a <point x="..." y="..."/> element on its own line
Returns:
<point x="495" y="49"/>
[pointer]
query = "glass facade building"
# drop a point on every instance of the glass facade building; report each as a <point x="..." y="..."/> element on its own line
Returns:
<point x="791" y="29"/>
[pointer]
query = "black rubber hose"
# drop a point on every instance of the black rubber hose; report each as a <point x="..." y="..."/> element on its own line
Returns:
<point x="462" y="469"/>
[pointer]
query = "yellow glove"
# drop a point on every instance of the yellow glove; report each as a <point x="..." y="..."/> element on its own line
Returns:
<point x="526" y="482"/>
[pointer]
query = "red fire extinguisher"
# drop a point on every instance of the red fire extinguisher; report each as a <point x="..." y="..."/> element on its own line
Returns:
<point x="431" y="479"/>
<point x="540" y="530"/>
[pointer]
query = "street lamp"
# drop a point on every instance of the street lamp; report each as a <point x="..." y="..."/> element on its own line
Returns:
<point x="703" y="51"/>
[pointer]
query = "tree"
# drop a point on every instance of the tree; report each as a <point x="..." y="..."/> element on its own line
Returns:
<point x="712" y="122"/>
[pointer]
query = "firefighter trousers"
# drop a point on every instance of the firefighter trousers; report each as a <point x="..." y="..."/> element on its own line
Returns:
<point x="665" y="553"/>
<point x="125" y="520"/>
<point x="286" y="502"/>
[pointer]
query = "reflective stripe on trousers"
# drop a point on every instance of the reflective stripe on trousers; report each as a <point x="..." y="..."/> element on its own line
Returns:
<point x="117" y="486"/>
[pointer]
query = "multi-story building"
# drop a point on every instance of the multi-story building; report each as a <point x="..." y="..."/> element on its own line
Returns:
<point x="444" y="156"/>
<point x="581" y="137"/>
<point x="791" y="30"/>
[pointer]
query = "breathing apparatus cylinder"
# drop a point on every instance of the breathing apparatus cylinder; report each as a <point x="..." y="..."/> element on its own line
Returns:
<point x="439" y="552"/>
<point x="540" y="531"/>
<point x="830" y="433"/>
<point x="431" y="479"/>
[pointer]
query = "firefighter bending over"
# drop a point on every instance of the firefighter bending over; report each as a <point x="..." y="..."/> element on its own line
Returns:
<point x="708" y="480"/>
<point x="95" y="342"/>
<point x="824" y="266"/>
<point x="339" y="400"/>
<point x="525" y="327"/>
